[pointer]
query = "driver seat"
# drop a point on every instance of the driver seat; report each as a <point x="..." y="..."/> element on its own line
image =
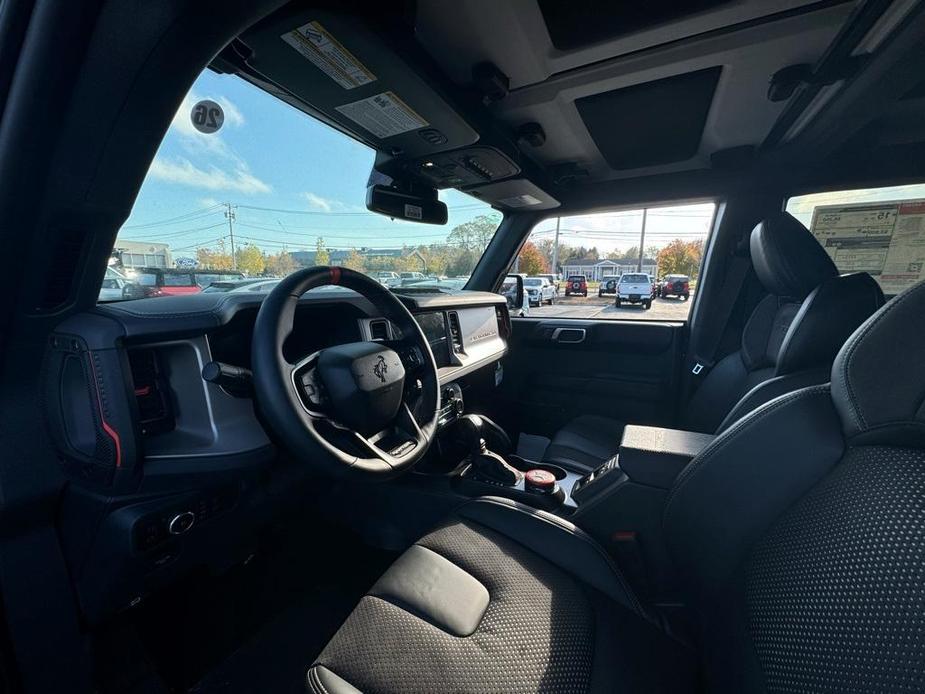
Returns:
<point x="798" y="536"/>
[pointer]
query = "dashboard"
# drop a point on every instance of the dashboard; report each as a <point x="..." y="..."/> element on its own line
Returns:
<point x="165" y="464"/>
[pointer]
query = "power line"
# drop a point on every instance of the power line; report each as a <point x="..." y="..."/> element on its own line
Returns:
<point x="180" y="218"/>
<point x="172" y="234"/>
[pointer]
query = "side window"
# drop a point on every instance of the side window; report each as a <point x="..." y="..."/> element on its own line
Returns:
<point x="876" y="230"/>
<point x="638" y="264"/>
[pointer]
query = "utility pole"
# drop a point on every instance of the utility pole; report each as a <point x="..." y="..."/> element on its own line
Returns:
<point x="642" y="240"/>
<point x="555" y="250"/>
<point x="229" y="215"/>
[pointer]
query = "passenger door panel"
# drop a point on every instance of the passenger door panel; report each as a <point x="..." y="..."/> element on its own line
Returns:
<point x="620" y="369"/>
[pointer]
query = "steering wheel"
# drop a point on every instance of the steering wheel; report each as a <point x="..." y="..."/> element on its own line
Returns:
<point x="363" y="407"/>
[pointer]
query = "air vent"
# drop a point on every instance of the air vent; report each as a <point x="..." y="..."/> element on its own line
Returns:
<point x="154" y="412"/>
<point x="378" y="330"/>
<point x="455" y="332"/>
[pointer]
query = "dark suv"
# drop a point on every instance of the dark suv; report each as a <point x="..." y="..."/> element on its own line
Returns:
<point x="675" y="285"/>
<point x="576" y="285"/>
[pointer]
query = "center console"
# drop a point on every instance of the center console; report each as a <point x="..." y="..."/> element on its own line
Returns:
<point x="620" y="502"/>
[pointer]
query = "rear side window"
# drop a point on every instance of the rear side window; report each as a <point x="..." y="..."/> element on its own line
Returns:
<point x="178" y="281"/>
<point x="880" y="231"/>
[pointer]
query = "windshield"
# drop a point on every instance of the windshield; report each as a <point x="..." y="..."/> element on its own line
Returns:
<point x="533" y="282"/>
<point x="272" y="191"/>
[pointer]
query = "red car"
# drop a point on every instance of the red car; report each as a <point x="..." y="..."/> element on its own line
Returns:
<point x="675" y="285"/>
<point x="576" y="284"/>
<point x="148" y="281"/>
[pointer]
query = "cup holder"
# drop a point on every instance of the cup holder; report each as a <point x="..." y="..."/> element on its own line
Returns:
<point x="524" y="465"/>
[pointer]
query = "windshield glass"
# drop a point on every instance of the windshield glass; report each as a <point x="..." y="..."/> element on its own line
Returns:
<point x="533" y="282"/>
<point x="272" y="191"/>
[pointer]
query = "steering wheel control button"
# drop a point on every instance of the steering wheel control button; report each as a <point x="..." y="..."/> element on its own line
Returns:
<point x="541" y="481"/>
<point x="181" y="523"/>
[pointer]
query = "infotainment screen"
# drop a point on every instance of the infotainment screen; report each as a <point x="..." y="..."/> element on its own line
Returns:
<point x="433" y="325"/>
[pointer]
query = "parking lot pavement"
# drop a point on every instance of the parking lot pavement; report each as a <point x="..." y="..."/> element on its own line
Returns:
<point x="603" y="307"/>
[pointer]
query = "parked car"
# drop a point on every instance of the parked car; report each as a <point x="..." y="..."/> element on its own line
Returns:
<point x="635" y="288"/>
<point x="576" y="285"/>
<point x="553" y="280"/>
<point x="388" y="278"/>
<point x="154" y="281"/>
<point x="539" y="291"/>
<point x="112" y="289"/>
<point x="675" y="285"/>
<point x="608" y="286"/>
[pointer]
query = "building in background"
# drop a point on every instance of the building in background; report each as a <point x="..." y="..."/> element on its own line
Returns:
<point x="132" y="254"/>
<point x="596" y="269"/>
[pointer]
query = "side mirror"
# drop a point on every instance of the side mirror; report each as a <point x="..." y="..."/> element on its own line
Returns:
<point x="423" y="208"/>
<point x="512" y="289"/>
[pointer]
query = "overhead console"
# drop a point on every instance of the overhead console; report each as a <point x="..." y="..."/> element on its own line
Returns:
<point x="335" y="65"/>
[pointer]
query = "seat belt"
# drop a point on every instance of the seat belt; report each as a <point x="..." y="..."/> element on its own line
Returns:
<point x="705" y="358"/>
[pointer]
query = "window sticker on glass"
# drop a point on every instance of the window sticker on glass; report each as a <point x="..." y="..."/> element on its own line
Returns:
<point x="885" y="239"/>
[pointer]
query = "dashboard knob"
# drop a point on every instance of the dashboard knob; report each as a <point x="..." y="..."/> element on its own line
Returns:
<point x="181" y="523"/>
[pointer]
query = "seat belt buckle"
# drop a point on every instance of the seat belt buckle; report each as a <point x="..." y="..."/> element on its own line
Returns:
<point x="700" y="366"/>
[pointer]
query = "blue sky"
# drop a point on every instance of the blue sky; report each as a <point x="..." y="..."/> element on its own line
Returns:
<point x="310" y="179"/>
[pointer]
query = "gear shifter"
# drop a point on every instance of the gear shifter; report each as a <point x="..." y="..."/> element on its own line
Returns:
<point x="487" y="464"/>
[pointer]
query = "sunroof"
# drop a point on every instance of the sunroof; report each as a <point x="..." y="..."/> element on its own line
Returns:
<point x="580" y="23"/>
<point x="652" y="123"/>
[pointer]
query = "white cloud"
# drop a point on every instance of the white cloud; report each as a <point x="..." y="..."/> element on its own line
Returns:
<point x="183" y="172"/>
<point x="209" y="202"/>
<point x="316" y="202"/>
<point x="233" y="115"/>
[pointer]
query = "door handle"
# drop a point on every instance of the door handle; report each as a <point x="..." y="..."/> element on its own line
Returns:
<point x="569" y="336"/>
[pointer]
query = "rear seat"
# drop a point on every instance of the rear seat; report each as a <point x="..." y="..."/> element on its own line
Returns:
<point x="789" y="342"/>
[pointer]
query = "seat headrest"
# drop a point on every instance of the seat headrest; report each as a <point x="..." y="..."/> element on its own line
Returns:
<point x="826" y="319"/>
<point x="787" y="258"/>
<point x="878" y="378"/>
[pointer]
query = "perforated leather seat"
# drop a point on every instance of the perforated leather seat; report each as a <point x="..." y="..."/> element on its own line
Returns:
<point x="803" y="568"/>
<point x="789" y="342"/>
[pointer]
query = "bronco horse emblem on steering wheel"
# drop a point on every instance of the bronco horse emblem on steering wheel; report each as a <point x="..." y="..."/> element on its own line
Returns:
<point x="381" y="368"/>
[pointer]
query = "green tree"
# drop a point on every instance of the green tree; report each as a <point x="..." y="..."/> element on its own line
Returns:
<point x="250" y="260"/>
<point x="322" y="257"/>
<point x="475" y="234"/>
<point x="531" y="260"/>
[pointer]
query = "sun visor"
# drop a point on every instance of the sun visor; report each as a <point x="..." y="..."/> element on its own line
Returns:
<point x="352" y="77"/>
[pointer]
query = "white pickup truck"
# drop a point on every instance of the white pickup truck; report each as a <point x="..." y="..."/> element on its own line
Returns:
<point x="635" y="288"/>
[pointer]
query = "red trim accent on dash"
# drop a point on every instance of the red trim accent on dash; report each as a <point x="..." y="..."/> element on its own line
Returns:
<point x="113" y="434"/>
<point x="335" y="275"/>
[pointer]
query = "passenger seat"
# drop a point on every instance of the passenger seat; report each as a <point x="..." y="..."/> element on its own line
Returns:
<point x="789" y="342"/>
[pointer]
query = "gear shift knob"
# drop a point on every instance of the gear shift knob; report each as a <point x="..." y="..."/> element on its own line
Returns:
<point x="474" y="427"/>
<point x="488" y="465"/>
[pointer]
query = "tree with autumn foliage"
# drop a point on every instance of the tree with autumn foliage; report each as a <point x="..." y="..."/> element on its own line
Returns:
<point x="531" y="260"/>
<point x="680" y="258"/>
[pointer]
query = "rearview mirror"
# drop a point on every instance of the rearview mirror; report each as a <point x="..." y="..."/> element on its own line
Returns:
<point x="512" y="289"/>
<point x="394" y="203"/>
